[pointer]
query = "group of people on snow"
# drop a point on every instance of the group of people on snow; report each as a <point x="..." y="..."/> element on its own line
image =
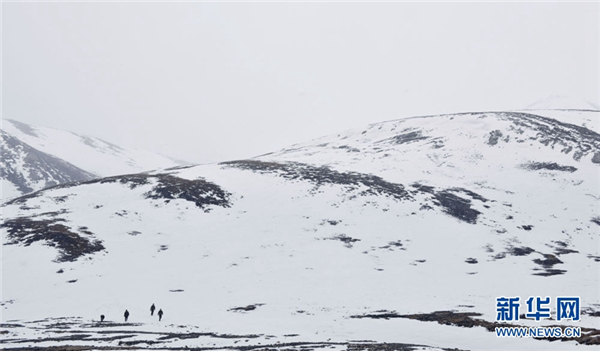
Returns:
<point x="126" y="314"/>
<point x="160" y="312"/>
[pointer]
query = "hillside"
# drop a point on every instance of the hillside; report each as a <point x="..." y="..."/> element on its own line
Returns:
<point x="24" y="169"/>
<point x="356" y="239"/>
<point x="35" y="157"/>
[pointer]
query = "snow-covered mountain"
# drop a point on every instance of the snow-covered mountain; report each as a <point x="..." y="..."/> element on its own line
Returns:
<point x="24" y="169"/>
<point x="562" y="102"/>
<point x="402" y="233"/>
<point x="35" y="157"/>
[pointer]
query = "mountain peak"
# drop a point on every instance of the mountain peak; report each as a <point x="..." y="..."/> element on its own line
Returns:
<point x="562" y="102"/>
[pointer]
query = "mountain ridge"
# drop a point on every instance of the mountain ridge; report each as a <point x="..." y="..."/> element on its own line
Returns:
<point x="323" y="239"/>
<point x="92" y="157"/>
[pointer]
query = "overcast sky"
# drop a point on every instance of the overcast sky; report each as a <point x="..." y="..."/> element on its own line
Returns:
<point x="210" y="82"/>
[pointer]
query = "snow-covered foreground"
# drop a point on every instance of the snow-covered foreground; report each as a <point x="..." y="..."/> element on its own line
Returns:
<point x="315" y="333"/>
<point x="308" y="245"/>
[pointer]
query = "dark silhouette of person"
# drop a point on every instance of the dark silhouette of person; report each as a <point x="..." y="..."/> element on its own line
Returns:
<point x="126" y="315"/>
<point x="101" y="318"/>
<point x="152" y="308"/>
<point x="160" y="314"/>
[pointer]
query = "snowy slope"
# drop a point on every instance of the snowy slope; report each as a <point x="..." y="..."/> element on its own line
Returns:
<point x="92" y="154"/>
<point x="24" y="169"/>
<point x="35" y="157"/>
<point x="583" y="118"/>
<point x="305" y="245"/>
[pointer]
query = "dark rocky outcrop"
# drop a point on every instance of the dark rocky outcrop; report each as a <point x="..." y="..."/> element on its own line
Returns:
<point x="52" y="232"/>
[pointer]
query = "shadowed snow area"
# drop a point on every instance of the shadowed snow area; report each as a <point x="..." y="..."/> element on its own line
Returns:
<point x="34" y="157"/>
<point x="28" y="169"/>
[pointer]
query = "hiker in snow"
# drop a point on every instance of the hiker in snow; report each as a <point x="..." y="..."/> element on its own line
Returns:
<point x="101" y="318"/>
<point x="160" y="314"/>
<point x="126" y="315"/>
<point x="152" y="308"/>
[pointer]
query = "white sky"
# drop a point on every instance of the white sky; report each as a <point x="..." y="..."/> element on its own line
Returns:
<point x="217" y="81"/>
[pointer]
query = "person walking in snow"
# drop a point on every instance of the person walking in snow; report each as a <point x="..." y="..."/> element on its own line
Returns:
<point x="152" y="308"/>
<point x="160" y="314"/>
<point x="126" y="315"/>
<point x="101" y="318"/>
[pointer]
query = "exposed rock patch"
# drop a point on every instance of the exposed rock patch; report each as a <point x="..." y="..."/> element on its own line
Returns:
<point x="408" y="137"/>
<point x="557" y="134"/>
<point x="166" y="187"/>
<point x="246" y="308"/>
<point x="493" y="137"/>
<point x="550" y="166"/>
<point x="70" y="244"/>
<point x="452" y="204"/>
<point x="348" y="241"/>
<point x="321" y="175"/>
<point x="547" y="264"/>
